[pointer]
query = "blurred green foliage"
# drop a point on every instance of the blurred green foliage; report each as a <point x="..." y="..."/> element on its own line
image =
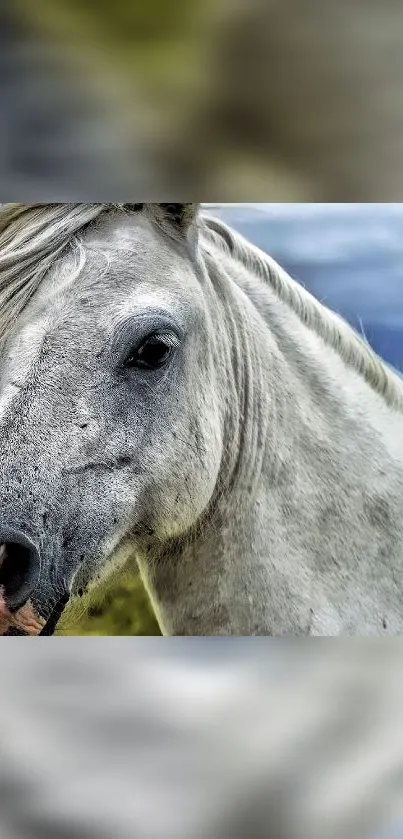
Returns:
<point x="139" y="49"/>
<point x="134" y="36"/>
<point x="128" y="20"/>
<point x="119" y="607"/>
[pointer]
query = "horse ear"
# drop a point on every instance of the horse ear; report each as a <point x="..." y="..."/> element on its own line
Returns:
<point x="182" y="216"/>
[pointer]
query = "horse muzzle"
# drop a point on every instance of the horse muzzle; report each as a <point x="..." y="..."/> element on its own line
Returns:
<point x="20" y="614"/>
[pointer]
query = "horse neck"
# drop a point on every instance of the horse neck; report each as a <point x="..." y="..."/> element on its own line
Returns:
<point x="314" y="511"/>
<point x="307" y="502"/>
<point x="321" y="519"/>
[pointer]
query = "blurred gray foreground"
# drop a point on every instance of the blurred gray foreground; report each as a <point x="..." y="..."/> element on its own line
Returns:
<point x="181" y="738"/>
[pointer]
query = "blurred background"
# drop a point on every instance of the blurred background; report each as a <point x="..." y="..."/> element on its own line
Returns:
<point x="201" y="738"/>
<point x="287" y="100"/>
<point x="351" y="257"/>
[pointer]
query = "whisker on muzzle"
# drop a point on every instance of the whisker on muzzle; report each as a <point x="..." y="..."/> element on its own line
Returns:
<point x="50" y="626"/>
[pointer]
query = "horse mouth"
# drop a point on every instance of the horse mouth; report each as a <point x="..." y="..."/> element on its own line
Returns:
<point x="25" y="619"/>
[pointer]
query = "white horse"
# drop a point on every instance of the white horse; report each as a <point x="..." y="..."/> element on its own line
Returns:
<point x="168" y="388"/>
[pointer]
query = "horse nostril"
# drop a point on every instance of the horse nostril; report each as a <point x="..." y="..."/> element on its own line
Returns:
<point x="19" y="571"/>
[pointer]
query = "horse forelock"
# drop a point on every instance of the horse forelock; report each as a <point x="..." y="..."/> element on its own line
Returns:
<point x="32" y="238"/>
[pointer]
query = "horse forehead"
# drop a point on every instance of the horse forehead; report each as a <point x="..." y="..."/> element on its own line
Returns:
<point x="123" y="266"/>
<point x="98" y="298"/>
<point x="131" y="230"/>
<point x="131" y="246"/>
<point x="134" y="251"/>
<point x="126" y="268"/>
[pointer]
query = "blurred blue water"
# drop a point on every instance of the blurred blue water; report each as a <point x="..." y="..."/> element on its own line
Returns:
<point x="350" y="256"/>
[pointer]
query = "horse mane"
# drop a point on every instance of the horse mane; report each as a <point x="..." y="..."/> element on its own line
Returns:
<point x="33" y="236"/>
<point x="332" y="328"/>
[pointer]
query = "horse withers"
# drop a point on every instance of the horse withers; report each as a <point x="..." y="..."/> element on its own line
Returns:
<point x="167" y="389"/>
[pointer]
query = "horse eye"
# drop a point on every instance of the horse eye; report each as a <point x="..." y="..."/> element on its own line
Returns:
<point x="153" y="353"/>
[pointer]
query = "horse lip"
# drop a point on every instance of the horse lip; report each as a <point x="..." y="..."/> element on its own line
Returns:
<point x="28" y="617"/>
<point x="26" y="620"/>
<point x="49" y="627"/>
